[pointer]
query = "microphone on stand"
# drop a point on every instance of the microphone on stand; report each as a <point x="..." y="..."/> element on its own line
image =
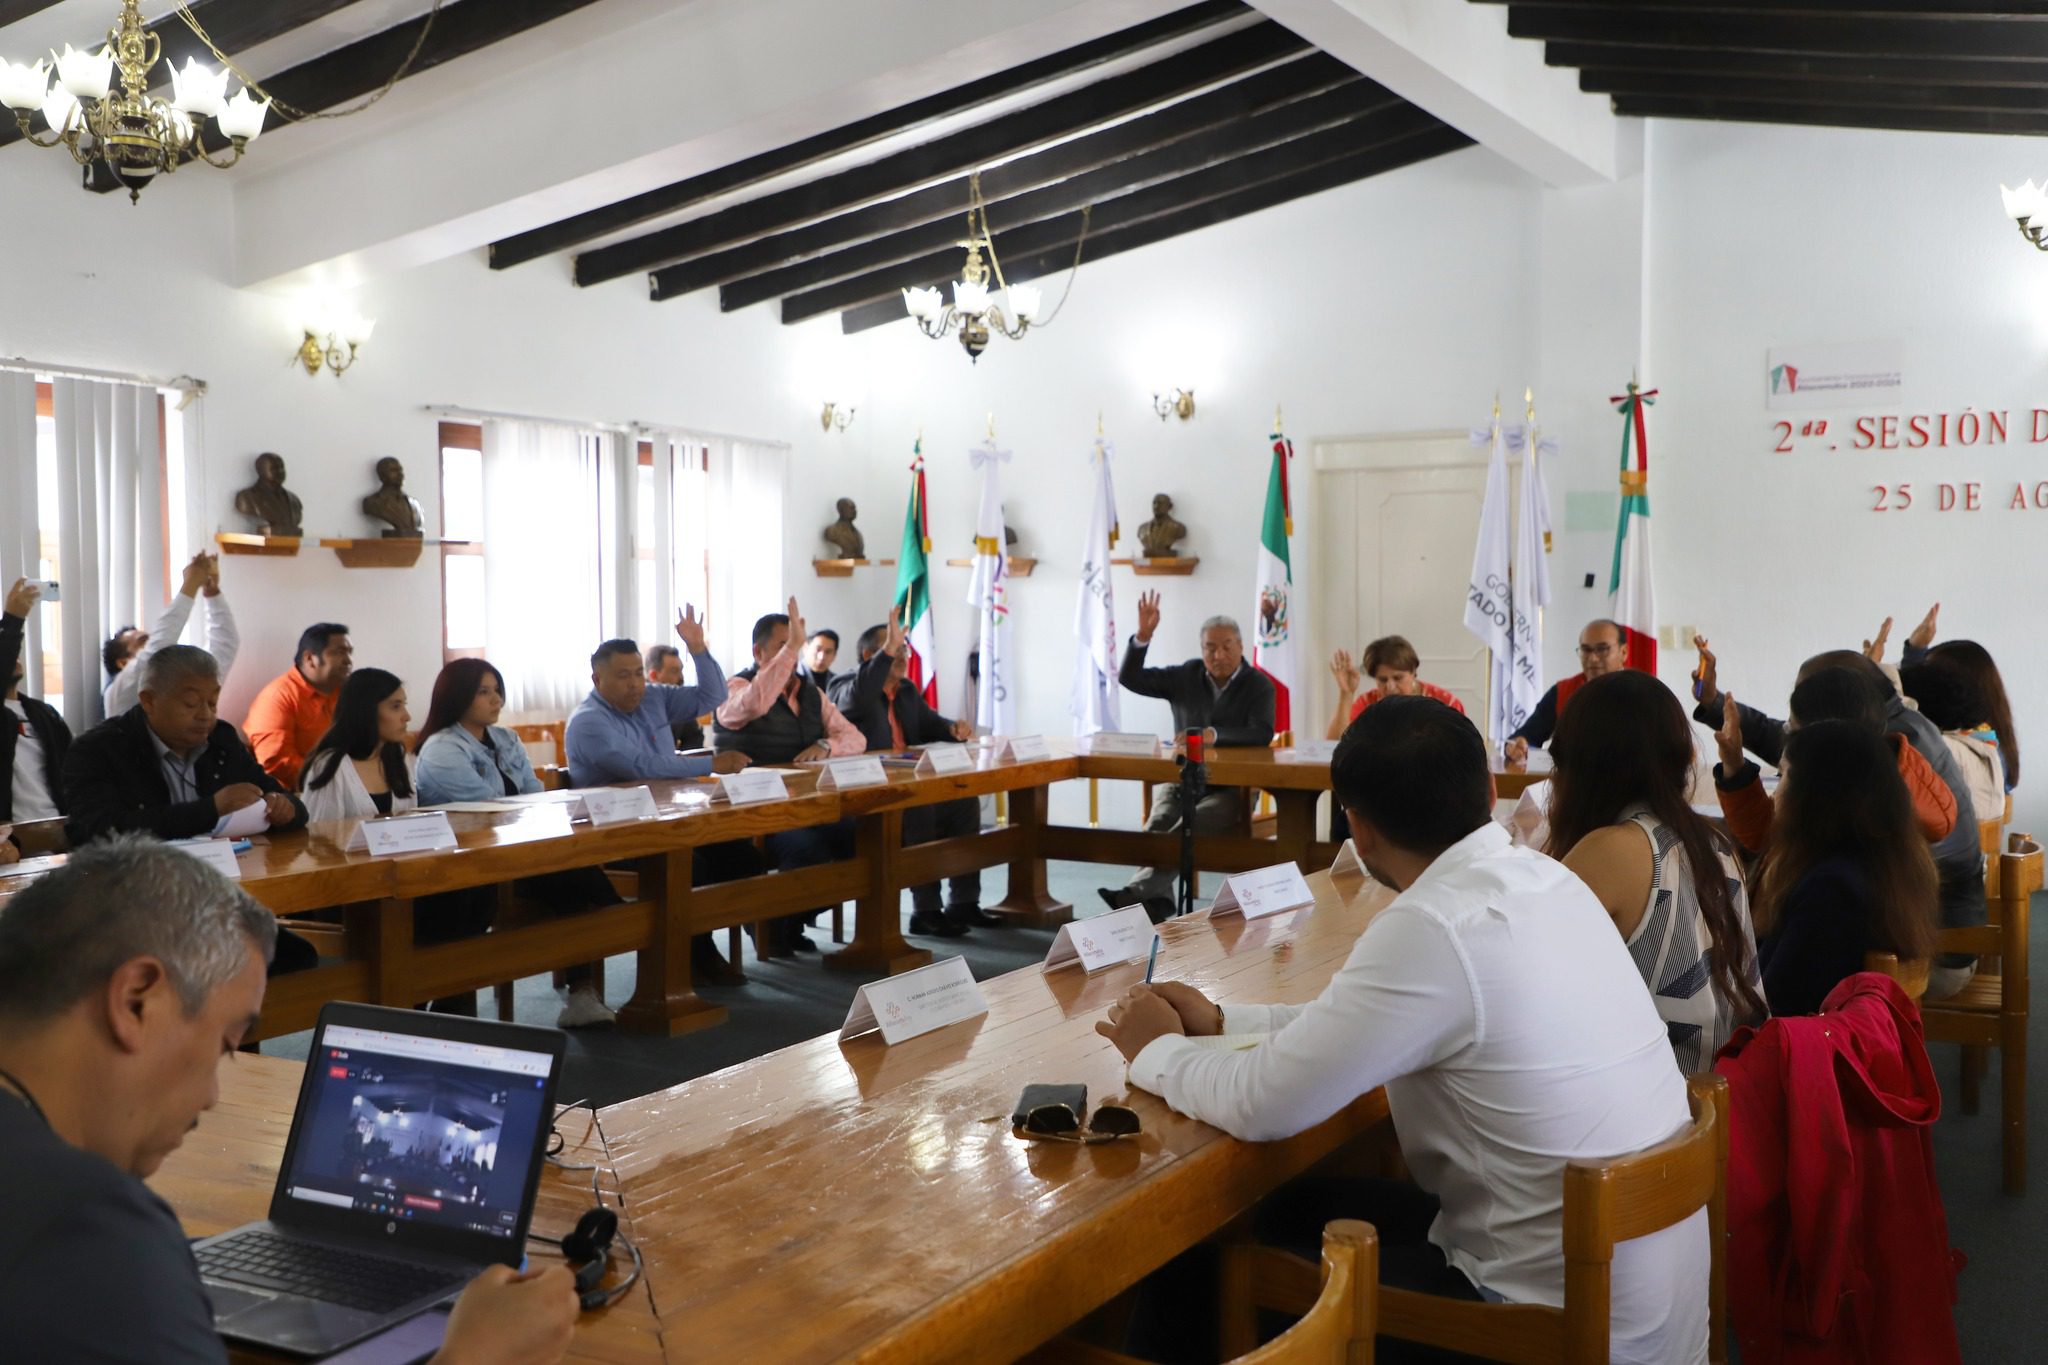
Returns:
<point x="1194" y="785"/>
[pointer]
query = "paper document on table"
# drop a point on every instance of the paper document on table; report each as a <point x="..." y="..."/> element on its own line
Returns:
<point x="478" y="807"/>
<point x="540" y="798"/>
<point x="239" y="824"/>
<point x="219" y="854"/>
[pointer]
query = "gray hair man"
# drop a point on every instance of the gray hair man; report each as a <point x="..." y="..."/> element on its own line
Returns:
<point x="171" y="766"/>
<point x="125" y="977"/>
<point x="1221" y="695"/>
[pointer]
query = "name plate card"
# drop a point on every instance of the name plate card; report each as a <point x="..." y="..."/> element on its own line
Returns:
<point x="1267" y="891"/>
<point x="1023" y="749"/>
<point x="1111" y="742"/>
<point x="750" y="786"/>
<point x="424" y="832"/>
<point x="843" y="774"/>
<point x="944" y="760"/>
<point x="218" y="854"/>
<point x="1317" y="751"/>
<point x="908" y="1006"/>
<point x="1104" y="941"/>
<point x="613" y="805"/>
<point x="1347" y="863"/>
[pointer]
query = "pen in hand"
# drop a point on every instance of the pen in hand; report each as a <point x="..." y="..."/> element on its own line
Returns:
<point x="1152" y="960"/>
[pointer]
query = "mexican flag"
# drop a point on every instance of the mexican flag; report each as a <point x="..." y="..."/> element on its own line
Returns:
<point x="1273" y="612"/>
<point x="914" y="586"/>
<point x="1635" y="599"/>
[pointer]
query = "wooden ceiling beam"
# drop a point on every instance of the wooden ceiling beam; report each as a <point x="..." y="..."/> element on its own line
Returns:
<point x="1052" y="236"/>
<point x="1777" y="90"/>
<point x="1062" y="116"/>
<point x="1775" y="8"/>
<point x="1282" y="88"/>
<point x="1420" y="147"/>
<point x="1847" y="34"/>
<point x="628" y="213"/>
<point x="1836" y="115"/>
<point x="1798" y="67"/>
<point x="1342" y="106"/>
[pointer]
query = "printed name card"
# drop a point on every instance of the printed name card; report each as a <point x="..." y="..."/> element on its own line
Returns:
<point x="842" y="774"/>
<point x="1104" y="941"/>
<point x="751" y="786"/>
<point x="423" y="832"/>
<point x="613" y="805"/>
<point x="1267" y="891"/>
<point x="1023" y="749"/>
<point x="915" y="1003"/>
<point x="1348" y="863"/>
<point x="944" y="760"/>
<point x="1124" y="745"/>
<point x="1316" y="751"/>
<point x="218" y="854"/>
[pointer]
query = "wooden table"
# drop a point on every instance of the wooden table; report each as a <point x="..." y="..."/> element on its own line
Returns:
<point x="223" y="1175"/>
<point x="856" y="1202"/>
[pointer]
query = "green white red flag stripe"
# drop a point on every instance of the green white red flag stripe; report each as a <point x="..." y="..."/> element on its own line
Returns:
<point x="914" y="585"/>
<point x="1629" y="585"/>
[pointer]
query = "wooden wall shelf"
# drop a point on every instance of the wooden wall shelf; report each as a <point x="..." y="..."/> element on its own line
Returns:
<point x="235" y="543"/>
<point x="843" y="568"/>
<point x="397" y="552"/>
<point x="1019" y="566"/>
<point x="1177" y="566"/>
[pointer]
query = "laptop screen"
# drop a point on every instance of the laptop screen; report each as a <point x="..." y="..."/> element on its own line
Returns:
<point x="419" y="1130"/>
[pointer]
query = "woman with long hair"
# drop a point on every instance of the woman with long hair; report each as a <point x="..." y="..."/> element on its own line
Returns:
<point x="360" y="770"/>
<point x="1619" y="817"/>
<point x="1846" y="872"/>
<point x="1997" y="726"/>
<point x="465" y="755"/>
<point x="1947" y="694"/>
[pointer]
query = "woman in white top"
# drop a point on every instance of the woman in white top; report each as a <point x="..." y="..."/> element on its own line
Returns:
<point x="1620" y="819"/>
<point x="360" y="770"/>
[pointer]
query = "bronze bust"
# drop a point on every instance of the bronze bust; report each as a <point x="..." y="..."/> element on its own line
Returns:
<point x="274" y="508"/>
<point x="1159" y="534"/>
<point x="843" y="536"/>
<point x="393" y="504"/>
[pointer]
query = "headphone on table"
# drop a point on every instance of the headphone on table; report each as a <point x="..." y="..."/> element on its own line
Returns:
<point x="588" y="1249"/>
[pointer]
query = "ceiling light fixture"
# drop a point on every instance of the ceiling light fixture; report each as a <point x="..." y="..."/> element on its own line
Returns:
<point x="2028" y="207"/>
<point x="974" y="312"/>
<point x="1174" y="402"/>
<point x="836" y="416"/>
<point x="332" y="341"/>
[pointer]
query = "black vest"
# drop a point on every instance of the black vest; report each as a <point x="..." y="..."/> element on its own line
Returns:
<point x="776" y="735"/>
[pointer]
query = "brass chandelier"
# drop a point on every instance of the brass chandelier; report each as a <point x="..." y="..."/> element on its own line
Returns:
<point x="974" y="314"/>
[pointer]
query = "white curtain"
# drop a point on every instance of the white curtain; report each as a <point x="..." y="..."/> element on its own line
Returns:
<point x="662" y="610"/>
<point x="541" y="554"/>
<point x="110" y="500"/>
<point x="749" y="486"/>
<point x="20" y="535"/>
<point x="619" y="496"/>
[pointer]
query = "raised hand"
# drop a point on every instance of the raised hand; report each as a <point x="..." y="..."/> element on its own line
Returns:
<point x="1728" y="739"/>
<point x="894" y="643"/>
<point x="1873" y="650"/>
<point x="797" y="633"/>
<point x="1148" y="616"/>
<point x="1345" y="672"/>
<point x="196" y="574"/>
<point x="1515" y="752"/>
<point x="22" y="598"/>
<point x="690" y="630"/>
<point x="1923" y="634"/>
<point x="212" y="588"/>
<point x="1705" y="678"/>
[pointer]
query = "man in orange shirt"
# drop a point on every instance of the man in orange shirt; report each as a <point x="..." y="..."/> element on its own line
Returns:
<point x="295" y="708"/>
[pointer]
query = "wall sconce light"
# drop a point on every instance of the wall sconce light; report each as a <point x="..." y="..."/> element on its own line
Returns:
<point x="333" y="342"/>
<point x="835" y="417"/>
<point x="1174" y="403"/>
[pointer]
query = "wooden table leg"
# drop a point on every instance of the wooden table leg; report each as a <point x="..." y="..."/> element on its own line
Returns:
<point x="1294" y="826"/>
<point x="380" y="932"/>
<point x="1028" y="899"/>
<point x="665" y="1000"/>
<point x="878" y="944"/>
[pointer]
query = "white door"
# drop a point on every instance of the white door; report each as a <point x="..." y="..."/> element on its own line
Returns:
<point x="1396" y="520"/>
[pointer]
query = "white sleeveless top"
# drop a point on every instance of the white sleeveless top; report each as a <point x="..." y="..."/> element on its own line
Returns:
<point x="1671" y="948"/>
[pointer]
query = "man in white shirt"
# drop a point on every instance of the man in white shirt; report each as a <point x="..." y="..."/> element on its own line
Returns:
<point x="128" y="649"/>
<point x="1494" y="1001"/>
<point x="33" y="737"/>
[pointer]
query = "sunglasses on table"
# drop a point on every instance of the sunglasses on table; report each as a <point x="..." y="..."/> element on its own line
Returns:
<point x="1059" y="1123"/>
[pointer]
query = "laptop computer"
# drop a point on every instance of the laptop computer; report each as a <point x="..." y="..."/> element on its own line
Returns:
<point x="412" y="1163"/>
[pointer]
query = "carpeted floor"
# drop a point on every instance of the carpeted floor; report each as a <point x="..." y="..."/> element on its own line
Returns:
<point x="785" y="1002"/>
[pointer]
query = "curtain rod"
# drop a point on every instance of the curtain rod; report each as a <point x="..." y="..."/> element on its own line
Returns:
<point x="486" y="414"/>
<point x="183" y="381"/>
<point x="671" y="429"/>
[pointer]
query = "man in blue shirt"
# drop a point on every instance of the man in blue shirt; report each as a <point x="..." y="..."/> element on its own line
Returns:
<point x="622" y="731"/>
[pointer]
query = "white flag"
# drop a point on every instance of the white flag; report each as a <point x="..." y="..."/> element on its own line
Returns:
<point x="1531" y="577"/>
<point x="988" y="595"/>
<point x="1488" y="605"/>
<point x="1095" y="703"/>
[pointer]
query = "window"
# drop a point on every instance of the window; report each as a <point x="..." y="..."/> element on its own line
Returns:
<point x="462" y="541"/>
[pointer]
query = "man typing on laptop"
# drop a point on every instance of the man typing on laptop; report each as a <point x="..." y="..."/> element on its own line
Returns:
<point x="125" y="977"/>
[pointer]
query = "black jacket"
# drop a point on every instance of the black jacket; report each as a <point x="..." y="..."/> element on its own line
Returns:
<point x="51" y="731"/>
<point x="114" y="783"/>
<point x="1242" y="714"/>
<point x="859" y="696"/>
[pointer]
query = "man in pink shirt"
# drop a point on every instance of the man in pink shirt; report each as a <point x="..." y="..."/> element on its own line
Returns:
<point x="775" y="715"/>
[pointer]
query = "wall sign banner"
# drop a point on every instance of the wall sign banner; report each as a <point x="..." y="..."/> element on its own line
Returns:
<point x="1798" y="378"/>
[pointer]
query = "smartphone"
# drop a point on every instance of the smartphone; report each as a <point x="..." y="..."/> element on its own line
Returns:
<point x="408" y="1343"/>
<point x="49" y="589"/>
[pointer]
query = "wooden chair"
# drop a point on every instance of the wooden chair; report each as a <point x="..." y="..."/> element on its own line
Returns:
<point x="1990" y="835"/>
<point x="1910" y="974"/>
<point x="545" y="732"/>
<point x="38" y="838"/>
<point x="1992" y="1010"/>
<point x="1336" y="1328"/>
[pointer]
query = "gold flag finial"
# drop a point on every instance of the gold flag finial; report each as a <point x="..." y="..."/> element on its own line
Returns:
<point x="1276" y="420"/>
<point x="991" y="426"/>
<point x="1496" y="407"/>
<point x="1529" y="397"/>
<point x="1098" y="424"/>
